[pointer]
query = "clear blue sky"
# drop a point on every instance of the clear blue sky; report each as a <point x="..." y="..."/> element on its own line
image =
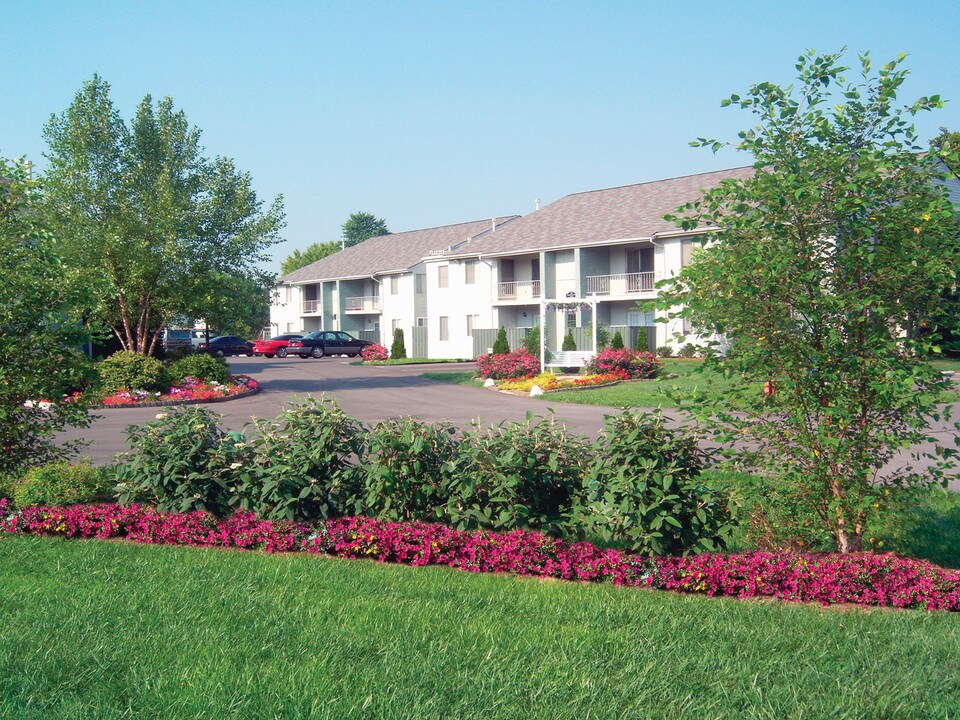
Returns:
<point x="429" y="113"/>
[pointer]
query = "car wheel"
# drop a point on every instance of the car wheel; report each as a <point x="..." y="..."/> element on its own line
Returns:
<point x="317" y="352"/>
<point x="268" y="355"/>
<point x="281" y="352"/>
<point x="219" y="353"/>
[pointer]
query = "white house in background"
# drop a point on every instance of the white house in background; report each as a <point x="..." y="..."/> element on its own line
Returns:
<point x="442" y="284"/>
<point x="371" y="288"/>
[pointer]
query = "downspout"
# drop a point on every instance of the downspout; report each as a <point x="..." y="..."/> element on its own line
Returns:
<point x="380" y="295"/>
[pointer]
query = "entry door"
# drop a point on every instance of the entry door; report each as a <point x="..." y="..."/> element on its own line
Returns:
<point x="633" y="271"/>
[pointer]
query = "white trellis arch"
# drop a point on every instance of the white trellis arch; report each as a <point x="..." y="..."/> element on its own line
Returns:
<point x="570" y="302"/>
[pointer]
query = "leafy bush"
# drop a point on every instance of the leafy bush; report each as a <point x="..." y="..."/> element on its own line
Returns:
<point x="407" y="466"/>
<point x="182" y="461"/>
<point x="617" y="342"/>
<point x="398" y="350"/>
<point x="635" y="365"/>
<point x="303" y="464"/>
<point x="62" y="483"/>
<point x="522" y="475"/>
<point x="568" y="342"/>
<point x="643" y="489"/>
<point x="664" y="351"/>
<point x="127" y="370"/>
<point x="500" y="345"/>
<point x="689" y="351"/>
<point x="374" y="353"/>
<point x="532" y="341"/>
<point x="200" y="366"/>
<point x="517" y="364"/>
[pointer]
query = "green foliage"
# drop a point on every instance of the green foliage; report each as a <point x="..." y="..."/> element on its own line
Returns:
<point x="501" y="346"/>
<point x="665" y="351"/>
<point x="149" y="228"/>
<point x="644" y="490"/>
<point x="311" y="254"/>
<point x="831" y="261"/>
<point x="181" y="461"/>
<point x="617" y="342"/>
<point x="532" y="341"/>
<point x="361" y="226"/>
<point x="128" y="370"/>
<point x="398" y="350"/>
<point x="39" y="327"/>
<point x="62" y="483"/>
<point x="947" y="146"/>
<point x="407" y="467"/>
<point x="641" y="342"/>
<point x="303" y="464"/>
<point x="689" y="350"/>
<point x="201" y="366"/>
<point x="568" y="342"/>
<point x="526" y="475"/>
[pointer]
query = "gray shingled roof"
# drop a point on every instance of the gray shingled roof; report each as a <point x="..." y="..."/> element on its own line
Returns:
<point x="396" y="252"/>
<point x="631" y="211"/>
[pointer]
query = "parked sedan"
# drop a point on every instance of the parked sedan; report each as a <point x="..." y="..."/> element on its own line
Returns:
<point x="224" y="345"/>
<point x="328" y="342"/>
<point x="275" y="346"/>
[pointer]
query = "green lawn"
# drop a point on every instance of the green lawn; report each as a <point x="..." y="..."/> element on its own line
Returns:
<point x="681" y="378"/>
<point x="95" y="629"/>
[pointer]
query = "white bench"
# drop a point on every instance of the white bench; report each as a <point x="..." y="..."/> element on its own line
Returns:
<point x="570" y="358"/>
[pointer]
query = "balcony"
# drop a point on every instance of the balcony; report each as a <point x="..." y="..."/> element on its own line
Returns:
<point x="311" y="307"/>
<point x="623" y="284"/>
<point x="364" y="304"/>
<point x="524" y="291"/>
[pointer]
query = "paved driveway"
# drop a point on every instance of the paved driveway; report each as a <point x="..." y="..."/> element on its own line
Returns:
<point x="369" y="394"/>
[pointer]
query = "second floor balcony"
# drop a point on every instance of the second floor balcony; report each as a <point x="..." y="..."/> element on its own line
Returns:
<point x="521" y="291"/>
<point x="622" y="284"/>
<point x="363" y="304"/>
<point x="312" y="307"/>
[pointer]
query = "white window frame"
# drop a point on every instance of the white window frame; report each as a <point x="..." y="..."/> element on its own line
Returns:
<point x="443" y="276"/>
<point x="444" y="328"/>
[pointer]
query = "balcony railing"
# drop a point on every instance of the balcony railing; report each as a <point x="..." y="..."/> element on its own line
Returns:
<point x="623" y="284"/>
<point x="363" y="304"/>
<point x="311" y="307"/>
<point x="523" y="290"/>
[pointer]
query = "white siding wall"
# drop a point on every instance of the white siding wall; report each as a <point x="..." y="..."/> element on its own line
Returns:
<point x="285" y="314"/>
<point x="398" y="307"/>
<point x="456" y="302"/>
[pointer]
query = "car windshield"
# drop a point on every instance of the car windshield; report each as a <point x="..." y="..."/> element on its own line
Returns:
<point x="312" y="336"/>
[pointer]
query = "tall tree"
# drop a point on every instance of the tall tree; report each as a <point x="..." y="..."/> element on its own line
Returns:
<point x="361" y="226"/>
<point x="317" y="251"/>
<point x="38" y="333"/>
<point x="947" y="146"/>
<point x="145" y="222"/>
<point x="825" y="263"/>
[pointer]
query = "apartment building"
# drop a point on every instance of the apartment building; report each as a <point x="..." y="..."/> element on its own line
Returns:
<point x="603" y="248"/>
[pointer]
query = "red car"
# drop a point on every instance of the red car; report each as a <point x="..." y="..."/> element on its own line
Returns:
<point x="274" y="346"/>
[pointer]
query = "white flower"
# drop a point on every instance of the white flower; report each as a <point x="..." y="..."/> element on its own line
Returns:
<point x="161" y="416"/>
<point x="236" y="465"/>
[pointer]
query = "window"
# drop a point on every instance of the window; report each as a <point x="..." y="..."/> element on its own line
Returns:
<point x="289" y="327"/>
<point x="289" y="293"/>
<point x="420" y="283"/>
<point x="470" y="272"/>
<point x="472" y="321"/>
<point x="506" y="270"/>
<point x="395" y="324"/>
<point x="394" y="284"/>
<point x="571" y="319"/>
<point x="444" y="327"/>
<point x="443" y="276"/>
<point x="421" y="322"/>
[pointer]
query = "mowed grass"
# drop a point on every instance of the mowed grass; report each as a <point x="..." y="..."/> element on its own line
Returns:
<point x="680" y="380"/>
<point x="95" y="629"/>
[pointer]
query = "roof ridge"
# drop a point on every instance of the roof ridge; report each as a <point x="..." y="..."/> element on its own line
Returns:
<point x="452" y="225"/>
<point x="652" y="182"/>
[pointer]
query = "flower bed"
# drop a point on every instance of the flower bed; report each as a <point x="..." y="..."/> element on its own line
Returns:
<point x="548" y="382"/>
<point x="190" y="391"/>
<point x="862" y="579"/>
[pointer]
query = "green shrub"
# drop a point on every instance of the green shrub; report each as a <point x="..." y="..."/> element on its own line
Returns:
<point x="644" y="490"/>
<point x="407" y="466"/>
<point x="303" y="465"/>
<point x="500" y="345"/>
<point x="617" y="342"/>
<point x="641" y="344"/>
<point x="522" y="475"/>
<point x="568" y="342"/>
<point x="127" y="370"/>
<point x="532" y="341"/>
<point x="688" y="351"/>
<point x="665" y="351"/>
<point x="201" y="366"/>
<point x="182" y="461"/>
<point x="178" y="353"/>
<point x="62" y="483"/>
<point x="398" y="350"/>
